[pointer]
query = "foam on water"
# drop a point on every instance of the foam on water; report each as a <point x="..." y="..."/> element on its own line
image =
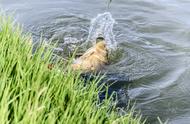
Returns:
<point x="102" y="25"/>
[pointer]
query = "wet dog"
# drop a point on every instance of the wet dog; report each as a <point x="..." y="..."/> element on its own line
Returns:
<point x="94" y="59"/>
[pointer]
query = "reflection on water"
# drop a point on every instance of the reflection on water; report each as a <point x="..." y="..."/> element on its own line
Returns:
<point x="154" y="37"/>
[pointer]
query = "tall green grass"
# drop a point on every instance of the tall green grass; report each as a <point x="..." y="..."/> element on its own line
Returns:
<point x="30" y="93"/>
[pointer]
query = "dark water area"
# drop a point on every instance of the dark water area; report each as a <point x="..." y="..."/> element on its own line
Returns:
<point x="154" y="36"/>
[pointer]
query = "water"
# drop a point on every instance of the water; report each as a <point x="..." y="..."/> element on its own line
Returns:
<point x="153" y="35"/>
<point x="102" y="25"/>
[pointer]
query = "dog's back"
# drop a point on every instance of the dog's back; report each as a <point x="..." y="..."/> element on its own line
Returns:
<point x="93" y="59"/>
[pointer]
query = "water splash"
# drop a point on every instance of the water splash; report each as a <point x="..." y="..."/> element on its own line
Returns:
<point x="102" y="25"/>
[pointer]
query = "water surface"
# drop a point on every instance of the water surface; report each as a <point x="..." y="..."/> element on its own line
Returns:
<point x="154" y="37"/>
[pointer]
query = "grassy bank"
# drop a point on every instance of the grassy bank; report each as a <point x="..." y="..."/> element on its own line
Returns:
<point x="30" y="93"/>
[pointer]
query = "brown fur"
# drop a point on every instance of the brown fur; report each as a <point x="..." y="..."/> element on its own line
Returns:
<point x="93" y="59"/>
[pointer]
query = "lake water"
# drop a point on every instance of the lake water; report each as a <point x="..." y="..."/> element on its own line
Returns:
<point x="154" y="36"/>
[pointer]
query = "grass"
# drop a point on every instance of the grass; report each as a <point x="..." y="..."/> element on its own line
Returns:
<point x="30" y="93"/>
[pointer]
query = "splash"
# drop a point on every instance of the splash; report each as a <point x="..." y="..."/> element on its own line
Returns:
<point x="102" y="25"/>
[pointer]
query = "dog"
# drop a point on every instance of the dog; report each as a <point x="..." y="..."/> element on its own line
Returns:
<point x="94" y="59"/>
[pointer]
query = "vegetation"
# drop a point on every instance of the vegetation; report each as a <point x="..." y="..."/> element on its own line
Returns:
<point x="30" y="93"/>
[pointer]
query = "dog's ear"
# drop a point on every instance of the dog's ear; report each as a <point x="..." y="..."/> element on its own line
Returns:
<point x="98" y="39"/>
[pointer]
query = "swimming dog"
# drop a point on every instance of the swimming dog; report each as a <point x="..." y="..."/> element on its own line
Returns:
<point x="94" y="59"/>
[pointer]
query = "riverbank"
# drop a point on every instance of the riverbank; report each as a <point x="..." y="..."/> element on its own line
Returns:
<point x="31" y="93"/>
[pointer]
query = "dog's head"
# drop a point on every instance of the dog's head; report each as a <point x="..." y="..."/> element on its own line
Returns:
<point x="100" y="43"/>
<point x="99" y="39"/>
